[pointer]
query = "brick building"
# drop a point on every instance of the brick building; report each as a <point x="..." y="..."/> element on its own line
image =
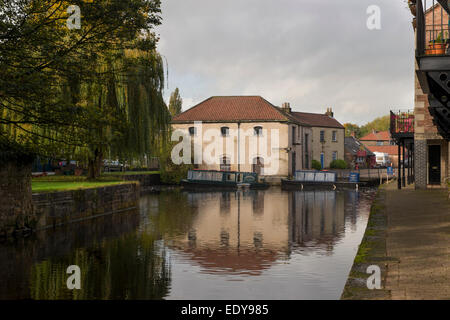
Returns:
<point x="432" y="93"/>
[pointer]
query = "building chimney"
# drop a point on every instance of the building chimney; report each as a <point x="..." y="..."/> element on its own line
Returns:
<point x="286" y="107"/>
<point x="330" y="112"/>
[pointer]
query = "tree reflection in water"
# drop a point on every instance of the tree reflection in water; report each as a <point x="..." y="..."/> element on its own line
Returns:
<point x="133" y="255"/>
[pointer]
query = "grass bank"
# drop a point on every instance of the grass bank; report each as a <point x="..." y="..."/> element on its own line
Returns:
<point x="129" y="173"/>
<point x="52" y="186"/>
<point x="66" y="183"/>
<point x="371" y="251"/>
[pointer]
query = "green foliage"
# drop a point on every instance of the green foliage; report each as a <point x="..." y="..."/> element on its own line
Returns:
<point x="351" y="128"/>
<point x="316" y="165"/>
<point x="81" y="94"/>
<point x="175" y="103"/>
<point x="170" y="172"/>
<point x="379" y="124"/>
<point x="338" y="164"/>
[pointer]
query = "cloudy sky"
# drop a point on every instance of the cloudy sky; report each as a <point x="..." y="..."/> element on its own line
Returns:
<point x="312" y="53"/>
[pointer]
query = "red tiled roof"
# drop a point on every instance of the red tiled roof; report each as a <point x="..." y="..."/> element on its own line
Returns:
<point x="233" y="108"/>
<point x="377" y="136"/>
<point x="317" y="120"/>
<point x="391" y="150"/>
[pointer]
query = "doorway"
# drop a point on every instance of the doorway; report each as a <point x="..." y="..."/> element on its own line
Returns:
<point x="434" y="165"/>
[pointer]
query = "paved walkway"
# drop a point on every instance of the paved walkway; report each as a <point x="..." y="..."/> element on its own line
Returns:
<point x="418" y="240"/>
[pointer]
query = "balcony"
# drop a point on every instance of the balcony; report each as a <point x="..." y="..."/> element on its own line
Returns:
<point x="402" y="124"/>
<point x="433" y="57"/>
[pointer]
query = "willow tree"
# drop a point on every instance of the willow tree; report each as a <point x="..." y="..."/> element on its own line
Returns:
<point x="128" y="112"/>
<point x="43" y="66"/>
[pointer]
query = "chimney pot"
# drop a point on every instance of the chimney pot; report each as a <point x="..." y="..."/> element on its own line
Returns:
<point x="330" y="112"/>
<point x="286" y="106"/>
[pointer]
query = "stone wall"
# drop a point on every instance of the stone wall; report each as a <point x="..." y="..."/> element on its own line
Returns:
<point x="59" y="208"/>
<point x="16" y="211"/>
<point x="147" y="181"/>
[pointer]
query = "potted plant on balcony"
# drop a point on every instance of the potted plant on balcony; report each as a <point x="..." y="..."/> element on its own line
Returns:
<point x="437" y="46"/>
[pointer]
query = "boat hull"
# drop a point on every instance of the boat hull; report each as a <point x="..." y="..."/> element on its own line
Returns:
<point x="219" y="186"/>
<point x="301" y="185"/>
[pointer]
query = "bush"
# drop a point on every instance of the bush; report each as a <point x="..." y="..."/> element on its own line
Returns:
<point x="170" y="172"/>
<point x="174" y="175"/>
<point x="316" y="165"/>
<point x="338" y="164"/>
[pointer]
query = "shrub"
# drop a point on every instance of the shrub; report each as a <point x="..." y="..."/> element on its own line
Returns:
<point x="316" y="165"/>
<point x="338" y="164"/>
<point x="170" y="172"/>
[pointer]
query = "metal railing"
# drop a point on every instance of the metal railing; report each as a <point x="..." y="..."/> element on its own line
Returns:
<point x="433" y="27"/>
<point x="402" y="122"/>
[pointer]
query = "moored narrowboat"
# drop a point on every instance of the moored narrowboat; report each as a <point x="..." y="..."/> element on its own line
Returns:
<point x="320" y="180"/>
<point x="231" y="180"/>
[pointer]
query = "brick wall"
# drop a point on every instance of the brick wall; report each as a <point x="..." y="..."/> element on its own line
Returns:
<point x="426" y="133"/>
<point x="438" y="18"/>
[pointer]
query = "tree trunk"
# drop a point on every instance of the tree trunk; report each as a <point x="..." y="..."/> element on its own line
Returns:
<point x="16" y="205"/>
<point x="95" y="165"/>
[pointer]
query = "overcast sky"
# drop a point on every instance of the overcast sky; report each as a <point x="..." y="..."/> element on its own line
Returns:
<point x="312" y="53"/>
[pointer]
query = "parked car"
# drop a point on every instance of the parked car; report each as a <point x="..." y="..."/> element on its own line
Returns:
<point x="112" y="166"/>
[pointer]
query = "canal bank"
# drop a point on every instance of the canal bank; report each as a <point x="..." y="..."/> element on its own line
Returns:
<point x="61" y="200"/>
<point x="407" y="236"/>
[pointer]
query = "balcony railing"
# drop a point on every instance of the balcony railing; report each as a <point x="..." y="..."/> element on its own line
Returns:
<point x="433" y="28"/>
<point x="402" y="123"/>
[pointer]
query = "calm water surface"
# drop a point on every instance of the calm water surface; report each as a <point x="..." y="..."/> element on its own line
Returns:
<point x="233" y="245"/>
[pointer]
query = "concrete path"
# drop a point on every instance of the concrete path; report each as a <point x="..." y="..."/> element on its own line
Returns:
<point x="418" y="241"/>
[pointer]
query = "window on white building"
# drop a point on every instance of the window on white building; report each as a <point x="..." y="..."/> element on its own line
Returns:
<point x="225" y="131"/>
<point x="335" y="155"/>
<point x="258" y="131"/>
<point x="334" y="136"/>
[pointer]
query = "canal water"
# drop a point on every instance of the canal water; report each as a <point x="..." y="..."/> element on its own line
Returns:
<point x="269" y="244"/>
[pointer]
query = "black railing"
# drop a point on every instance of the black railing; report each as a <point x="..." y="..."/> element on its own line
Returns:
<point x="402" y="122"/>
<point x="433" y="27"/>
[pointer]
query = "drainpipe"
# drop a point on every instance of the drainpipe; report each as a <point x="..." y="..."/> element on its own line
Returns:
<point x="239" y="147"/>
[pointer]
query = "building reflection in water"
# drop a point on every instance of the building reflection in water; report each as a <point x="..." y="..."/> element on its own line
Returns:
<point x="261" y="228"/>
<point x="133" y="255"/>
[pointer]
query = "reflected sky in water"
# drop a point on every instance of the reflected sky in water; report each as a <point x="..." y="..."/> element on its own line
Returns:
<point x="269" y="244"/>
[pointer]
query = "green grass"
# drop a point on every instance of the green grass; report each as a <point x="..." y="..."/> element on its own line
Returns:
<point x="39" y="186"/>
<point x="363" y="250"/>
<point x="129" y="173"/>
<point x="65" y="183"/>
